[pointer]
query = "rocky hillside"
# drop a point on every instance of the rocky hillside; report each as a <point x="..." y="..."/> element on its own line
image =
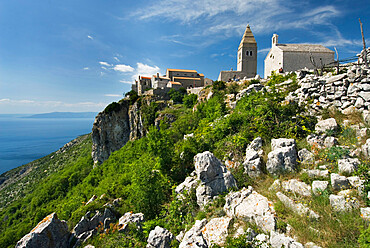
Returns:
<point x="277" y="163"/>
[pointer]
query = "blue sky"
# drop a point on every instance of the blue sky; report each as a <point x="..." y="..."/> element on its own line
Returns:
<point x="80" y="55"/>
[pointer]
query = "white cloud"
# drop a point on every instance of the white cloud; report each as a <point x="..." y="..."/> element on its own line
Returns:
<point x="220" y="19"/>
<point x="112" y="95"/>
<point x="4" y="100"/>
<point x="126" y="81"/>
<point x="116" y="59"/>
<point x="90" y="37"/>
<point x="264" y="50"/>
<point x="86" y="68"/>
<point x="123" y="68"/>
<point x="105" y="63"/>
<point x="145" y="70"/>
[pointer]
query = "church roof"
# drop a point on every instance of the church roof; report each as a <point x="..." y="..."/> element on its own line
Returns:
<point x="248" y="37"/>
<point x="303" y="48"/>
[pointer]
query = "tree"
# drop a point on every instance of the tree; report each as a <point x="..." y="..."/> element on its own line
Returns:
<point x="190" y="100"/>
<point x="177" y="95"/>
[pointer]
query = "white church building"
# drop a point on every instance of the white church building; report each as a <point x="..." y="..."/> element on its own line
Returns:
<point x="292" y="57"/>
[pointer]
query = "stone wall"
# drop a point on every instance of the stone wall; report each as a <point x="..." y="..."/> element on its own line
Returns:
<point x="348" y="91"/>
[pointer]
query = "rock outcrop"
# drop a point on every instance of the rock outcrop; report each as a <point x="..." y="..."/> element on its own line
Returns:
<point x="252" y="206"/>
<point x="283" y="157"/>
<point x="128" y="218"/>
<point x="111" y="130"/>
<point x="253" y="161"/>
<point x="215" y="178"/>
<point x="49" y="233"/>
<point x="160" y="238"/>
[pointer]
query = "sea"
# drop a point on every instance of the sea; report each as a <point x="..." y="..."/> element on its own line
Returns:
<point x="24" y="139"/>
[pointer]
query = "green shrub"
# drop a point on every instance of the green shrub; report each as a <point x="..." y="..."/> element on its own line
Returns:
<point x="190" y="100"/>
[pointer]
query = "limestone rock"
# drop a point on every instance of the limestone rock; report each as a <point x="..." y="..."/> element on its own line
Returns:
<point x="357" y="183"/>
<point x="297" y="208"/>
<point x="111" y="131"/>
<point x="339" y="182"/>
<point x="189" y="184"/>
<point x="315" y="173"/>
<point x="365" y="213"/>
<point x="214" y="176"/>
<point x="276" y="185"/>
<point x="318" y="186"/>
<point x="283" y="157"/>
<point x="278" y="240"/>
<point x="342" y="203"/>
<point x="297" y="187"/>
<point x="330" y="141"/>
<point x="160" y="238"/>
<point x="49" y="233"/>
<point x="194" y="237"/>
<point x="306" y="157"/>
<point x="348" y="165"/>
<point x="253" y="162"/>
<point x="128" y="218"/>
<point x="93" y="198"/>
<point x="326" y="125"/>
<point x="366" y="149"/>
<point x="215" y="231"/>
<point x="251" y="206"/>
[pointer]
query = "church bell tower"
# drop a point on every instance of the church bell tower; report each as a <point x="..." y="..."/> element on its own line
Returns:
<point x="247" y="54"/>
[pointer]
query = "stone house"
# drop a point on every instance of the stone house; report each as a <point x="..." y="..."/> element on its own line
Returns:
<point x="246" y="59"/>
<point x="142" y="84"/>
<point x="159" y="82"/>
<point x="188" y="78"/>
<point x="292" y="57"/>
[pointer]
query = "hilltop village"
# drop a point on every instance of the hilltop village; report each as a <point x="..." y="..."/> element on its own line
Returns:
<point x="246" y="162"/>
<point x="280" y="58"/>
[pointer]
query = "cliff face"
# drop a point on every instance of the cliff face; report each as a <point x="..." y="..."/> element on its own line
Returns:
<point x="114" y="127"/>
<point x="111" y="131"/>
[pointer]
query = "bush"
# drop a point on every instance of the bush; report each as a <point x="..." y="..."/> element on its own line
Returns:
<point x="190" y="100"/>
<point x="177" y="95"/>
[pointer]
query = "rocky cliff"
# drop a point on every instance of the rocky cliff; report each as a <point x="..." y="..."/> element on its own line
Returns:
<point x="117" y="124"/>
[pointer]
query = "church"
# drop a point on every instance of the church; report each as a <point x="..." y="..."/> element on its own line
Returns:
<point x="246" y="59"/>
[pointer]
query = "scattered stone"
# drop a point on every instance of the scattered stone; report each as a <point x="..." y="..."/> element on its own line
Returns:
<point x="283" y="157"/>
<point x="318" y="186"/>
<point x="365" y="213"/>
<point x="276" y="185"/>
<point x="297" y="208"/>
<point x="316" y="141"/>
<point x="278" y="240"/>
<point x="366" y="148"/>
<point x="348" y="165"/>
<point x="160" y="238"/>
<point x="194" y="237"/>
<point x="330" y="142"/>
<point x="93" y="198"/>
<point x="311" y="245"/>
<point x="253" y="162"/>
<point x="357" y="183"/>
<point x="215" y="231"/>
<point x="128" y="218"/>
<point x="326" y="125"/>
<point x="341" y="203"/>
<point x="251" y="206"/>
<point x="49" y="233"/>
<point x="306" y="157"/>
<point x="317" y="173"/>
<point x="339" y="182"/>
<point x="189" y="184"/>
<point x="297" y="187"/>
<point x="214" y="176"/>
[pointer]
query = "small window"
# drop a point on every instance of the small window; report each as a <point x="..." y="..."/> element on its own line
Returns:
<point x="250" y="53"/>
<point x="247" y="53"/>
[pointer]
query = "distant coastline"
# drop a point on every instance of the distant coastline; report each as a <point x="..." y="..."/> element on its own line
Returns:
<point x="64" y="115"/>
